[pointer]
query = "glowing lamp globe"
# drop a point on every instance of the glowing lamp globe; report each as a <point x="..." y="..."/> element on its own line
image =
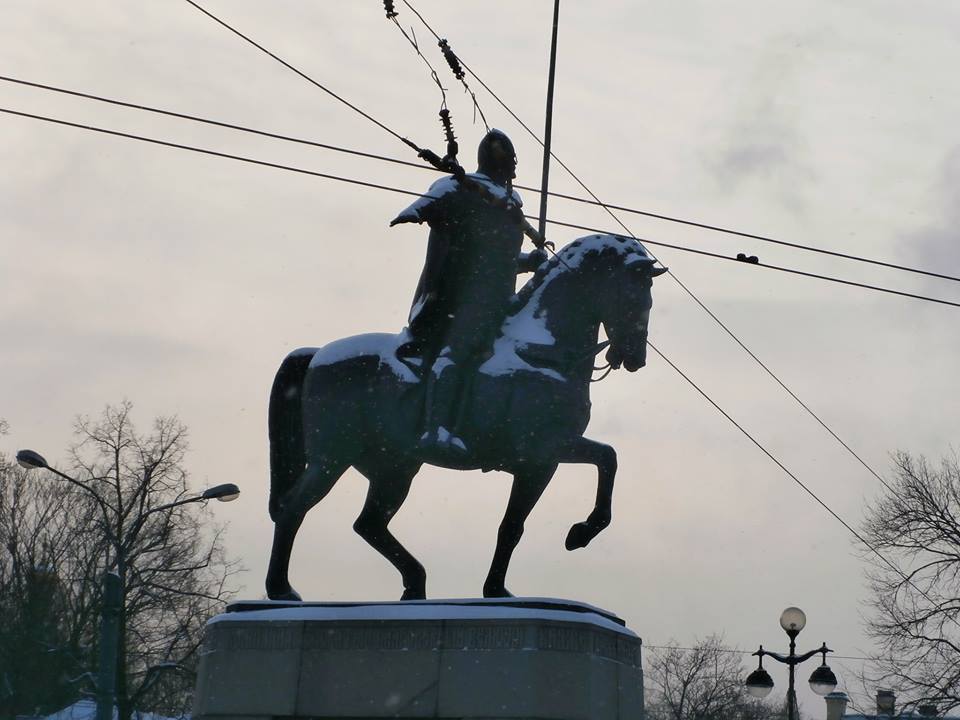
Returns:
<point x="793" y="620"/>
<point x="759" y="683"/>
<point x="823" y="681"/>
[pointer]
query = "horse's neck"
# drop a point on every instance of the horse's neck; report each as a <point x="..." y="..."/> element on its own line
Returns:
<point x="567" y="305"/>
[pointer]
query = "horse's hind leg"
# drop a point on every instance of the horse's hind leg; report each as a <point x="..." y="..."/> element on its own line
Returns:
<point x="605" y="458"/>
<point x="389" y="485"/>
<point x="312" y="486"/>
<point x="528" y="486"/>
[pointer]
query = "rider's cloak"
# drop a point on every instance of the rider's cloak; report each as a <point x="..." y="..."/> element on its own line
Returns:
<point x="470" y="269"/>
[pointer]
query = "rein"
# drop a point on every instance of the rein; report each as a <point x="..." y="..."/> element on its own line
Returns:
<point x="592" y="354"/>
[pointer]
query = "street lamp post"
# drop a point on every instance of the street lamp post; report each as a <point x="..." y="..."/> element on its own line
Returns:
<point x="822" y="681"/>
<point x="114" y="581"/>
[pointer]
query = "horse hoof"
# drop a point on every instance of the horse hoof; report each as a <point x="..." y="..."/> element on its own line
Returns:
<point x="288" y="594"/>
<point x="579" y="536"/>
<point x="497" y="592"/>
<point x="414" y="594"/>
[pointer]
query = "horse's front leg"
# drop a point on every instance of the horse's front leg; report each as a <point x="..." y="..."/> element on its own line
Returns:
<point x="528" y="486"/>
<point x="604" y="457"/>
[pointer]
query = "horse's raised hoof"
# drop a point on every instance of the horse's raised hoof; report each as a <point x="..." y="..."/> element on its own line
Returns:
<point x="496" y="592"/>
<point x="581" y="534"/>
<point x="414" y="594"/>
<point x="288" y="594"/>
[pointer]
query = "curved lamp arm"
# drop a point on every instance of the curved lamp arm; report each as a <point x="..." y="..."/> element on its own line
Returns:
<point x="793" y="659"/>
<point x="32" y="460"/>
<point x="223" y="493"/>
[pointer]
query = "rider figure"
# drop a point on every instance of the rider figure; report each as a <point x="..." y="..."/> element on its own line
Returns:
<point x="473" y="257"/>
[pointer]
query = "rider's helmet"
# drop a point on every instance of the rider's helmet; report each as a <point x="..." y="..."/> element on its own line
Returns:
<point x="496" y="157"/>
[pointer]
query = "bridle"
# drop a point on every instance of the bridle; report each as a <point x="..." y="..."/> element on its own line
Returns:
<point x="592" y="354"/>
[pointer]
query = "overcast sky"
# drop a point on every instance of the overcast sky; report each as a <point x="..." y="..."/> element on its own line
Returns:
<point x="180" y="281"/>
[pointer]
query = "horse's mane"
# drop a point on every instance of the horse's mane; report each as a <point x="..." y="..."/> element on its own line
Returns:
<point x="574" y="255"/>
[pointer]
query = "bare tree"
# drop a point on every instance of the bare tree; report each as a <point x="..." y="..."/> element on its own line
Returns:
<point x="41" y="620"/>
<point x="915" y="523"/>
<point x="173" y="571"/>
<point x="704" y="682"/>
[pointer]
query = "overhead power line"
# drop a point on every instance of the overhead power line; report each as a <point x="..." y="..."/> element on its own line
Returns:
<point x="207" y="151"/>
<point x="761" y="238"/>
<point x="408" y="192"/>
<point x="696" y="299"/>
<point x="379" y="186"/>
<point x="673" y="275"/>
<point x="215" y="123"/>
<point x="833" y="656"/>
<point x="767" y="266"/>
<point x="793" y="477"/>
<point x="306" y="77"/>
<point x="422" y="166"/>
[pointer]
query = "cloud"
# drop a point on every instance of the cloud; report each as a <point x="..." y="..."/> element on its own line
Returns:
<point x="761" y="141"/>
<point x="938" y="244"/>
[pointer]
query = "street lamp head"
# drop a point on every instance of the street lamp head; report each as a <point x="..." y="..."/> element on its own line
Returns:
<point x="224" y="493"/>
<point x="793" y="620"/>
<point x="823" y="681"/>
<point x="31" y="460"/>
<point x="759" y="683"/>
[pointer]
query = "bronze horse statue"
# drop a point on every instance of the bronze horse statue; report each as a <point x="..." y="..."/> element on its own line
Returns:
<point x="354" y="403"/>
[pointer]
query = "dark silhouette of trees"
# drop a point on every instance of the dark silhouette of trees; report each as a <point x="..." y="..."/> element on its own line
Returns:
<point x="171" y="563"/>
<point x="916" y="524"/>
<point x="40" y="642"/>
<point x="704" y="682"/>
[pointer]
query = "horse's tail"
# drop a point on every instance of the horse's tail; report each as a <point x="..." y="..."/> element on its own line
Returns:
<point x="287" y="455"/>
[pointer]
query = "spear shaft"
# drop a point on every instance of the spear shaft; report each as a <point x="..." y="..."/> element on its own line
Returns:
<point x="548" y="131"/>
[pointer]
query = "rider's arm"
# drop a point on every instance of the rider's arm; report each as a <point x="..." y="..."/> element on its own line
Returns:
<point x="407" y="216"/>
<point x="430" y="207"/>
<point x="528" y="262"/>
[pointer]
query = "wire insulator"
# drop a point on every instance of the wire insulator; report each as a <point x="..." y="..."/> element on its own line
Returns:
<point x="447" y="126"/>
<point x="452" y="147"/>
<point x="390" y="10"/>
<point x="452" y="60"/>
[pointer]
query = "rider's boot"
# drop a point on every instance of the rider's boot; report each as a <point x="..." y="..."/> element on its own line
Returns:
<point x="443" y="403"/>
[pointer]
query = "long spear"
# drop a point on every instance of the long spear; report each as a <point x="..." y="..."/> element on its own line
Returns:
<point x="548" y="131"/>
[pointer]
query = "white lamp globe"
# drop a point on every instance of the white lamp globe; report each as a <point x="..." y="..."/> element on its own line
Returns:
<point x="793" y="619"/>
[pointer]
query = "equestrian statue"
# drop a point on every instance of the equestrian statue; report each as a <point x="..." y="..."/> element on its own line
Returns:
<point x="481" y="378"/>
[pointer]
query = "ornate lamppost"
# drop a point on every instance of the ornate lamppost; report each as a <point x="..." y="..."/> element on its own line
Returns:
<point x="822" y="681"/>
<point x="114" y="578"/>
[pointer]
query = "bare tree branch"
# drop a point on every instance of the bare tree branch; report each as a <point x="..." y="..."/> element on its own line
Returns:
<point x="173" y="567"/>
<point x="915" y="620"/>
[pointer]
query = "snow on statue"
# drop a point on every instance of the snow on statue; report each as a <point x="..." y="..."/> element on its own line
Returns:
<point x="482" y="378"/>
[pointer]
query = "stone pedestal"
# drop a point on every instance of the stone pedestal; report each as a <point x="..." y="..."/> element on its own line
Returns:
<point x="517" y="659"/>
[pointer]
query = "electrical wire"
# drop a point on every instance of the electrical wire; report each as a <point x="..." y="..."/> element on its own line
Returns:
<point x="421" y="166"/>
<point x="302" y="74"/>
<point x="793" y="477"/>
<point x="409" y="143"/>
<point x="710" y="400"/>
<point x="752" y="236"/>
<point x="215" y="123"/>
<point x="833" y="656"/>
<point x="682" y="285"/>
<point x="416" y="48"/>
<point x="780" y="268"/>
<point x="454" y="62"/>
<point x="364" y="183"/>
<point x="207" y="151"/>
<point x="737" y="651"/>
<point x="673" y="275"/>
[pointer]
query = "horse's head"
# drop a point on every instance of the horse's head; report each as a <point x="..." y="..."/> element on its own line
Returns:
<point x="595" y="279"/>
<point x="628" y="311"/>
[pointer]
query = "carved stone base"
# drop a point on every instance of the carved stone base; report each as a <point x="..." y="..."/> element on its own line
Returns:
<point x="517" y="659"/>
